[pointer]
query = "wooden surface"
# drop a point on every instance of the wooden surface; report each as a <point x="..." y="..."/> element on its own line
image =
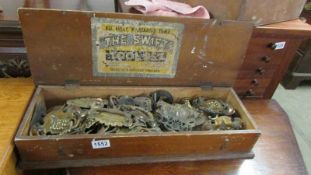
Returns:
<point x="276" y="152"/>
<point x="70" y="58"/>
<point x="14" y="97"/>
<point x="283" y="10"/>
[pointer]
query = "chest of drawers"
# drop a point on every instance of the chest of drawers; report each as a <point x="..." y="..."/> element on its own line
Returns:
<point x="264" y="65"/>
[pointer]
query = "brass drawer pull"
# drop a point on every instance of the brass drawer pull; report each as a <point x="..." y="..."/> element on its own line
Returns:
<point x="255" y="82"/>
<point x="266" y="59"/>
<point x="260" y="70"/>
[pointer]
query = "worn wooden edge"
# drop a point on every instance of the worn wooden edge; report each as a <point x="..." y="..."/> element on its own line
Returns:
<point x="9" y="165"/>
<point x="244" y="110"/>
<point x="23" y="138"/>
<point x="130" y="160"/>
<point x="291" y="29"/>
<point x="29" y="110"/>
<point x="13" y="50"/>
<point x="6" y="156"/>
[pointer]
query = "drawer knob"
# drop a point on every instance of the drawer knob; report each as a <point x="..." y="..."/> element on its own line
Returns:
<point x="266" y="59"/>
<point x="255" y="82"/>
<point x="250" y="92"/>
<point x="260" y="70"/>
<point x="273" y="46"/>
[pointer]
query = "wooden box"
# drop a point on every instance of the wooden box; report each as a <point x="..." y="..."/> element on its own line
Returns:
<point x="261" y="12"/>
<point x="63" y="55"/>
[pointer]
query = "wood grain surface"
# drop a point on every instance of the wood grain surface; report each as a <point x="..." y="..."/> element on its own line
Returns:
<point x="14" y="97"/>
<point x="276" y="152"/>
<point x="55" y="59"/>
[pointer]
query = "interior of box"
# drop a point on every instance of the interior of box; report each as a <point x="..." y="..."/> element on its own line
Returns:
<point x="49" y="96"/>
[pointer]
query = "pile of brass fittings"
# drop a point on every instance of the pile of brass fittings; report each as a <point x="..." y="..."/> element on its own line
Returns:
<point x="125" y="114"/>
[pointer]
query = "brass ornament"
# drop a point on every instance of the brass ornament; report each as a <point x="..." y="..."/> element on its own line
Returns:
<point x="157" y="112"/>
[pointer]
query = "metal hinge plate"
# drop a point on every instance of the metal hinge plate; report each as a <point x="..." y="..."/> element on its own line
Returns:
<point x="207" y="86"/>
<point x="72" y="83"/>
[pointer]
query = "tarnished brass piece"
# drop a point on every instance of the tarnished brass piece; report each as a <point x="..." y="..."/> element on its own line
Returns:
<point x="223" y="122"/>
<point x="113" y="119"/>
<point x="143" y="102"/>
<point x="213" y="106"/>
<point x="57" y="122"/>
<point x="87" y="103"/>
<point x="178" y="117"/>
<point x="126" y="114"/>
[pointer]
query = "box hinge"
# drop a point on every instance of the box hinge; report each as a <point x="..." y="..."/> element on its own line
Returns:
<point x="207" y="86"/>
<point x="72" y="83"/>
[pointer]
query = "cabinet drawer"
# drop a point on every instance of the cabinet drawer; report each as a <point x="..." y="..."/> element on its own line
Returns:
<point x="267" y="45"/>
<point x="249" y="65"/>
<point x="263" y="59"/>
<point x="259" y="72"/>
<point x="261" y="54"/>
<point x="250" y="92"/>
<point x="252" y="83"/>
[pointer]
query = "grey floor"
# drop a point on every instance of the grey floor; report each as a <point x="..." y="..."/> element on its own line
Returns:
<point x="297" y="104"/>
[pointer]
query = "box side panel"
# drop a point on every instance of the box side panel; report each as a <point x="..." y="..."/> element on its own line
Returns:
<point x="267" y="11"/>
<point x="234" y="100"/>
<point x="126" y="146"/>
<point x="37" y="99"/>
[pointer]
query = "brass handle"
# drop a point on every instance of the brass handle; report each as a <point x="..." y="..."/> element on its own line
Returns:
<point x="266" y="59"/>
<point x="260" y="70"/>
<point x="255" y="82"/>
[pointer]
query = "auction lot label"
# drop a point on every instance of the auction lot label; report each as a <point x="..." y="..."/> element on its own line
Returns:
<point x="135" y="48"/>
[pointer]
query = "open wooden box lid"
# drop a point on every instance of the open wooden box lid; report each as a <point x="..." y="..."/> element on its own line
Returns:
<point x="125" y="49"/>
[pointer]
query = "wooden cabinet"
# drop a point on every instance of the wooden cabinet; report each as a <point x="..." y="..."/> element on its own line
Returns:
<point x="264" y="65"/>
